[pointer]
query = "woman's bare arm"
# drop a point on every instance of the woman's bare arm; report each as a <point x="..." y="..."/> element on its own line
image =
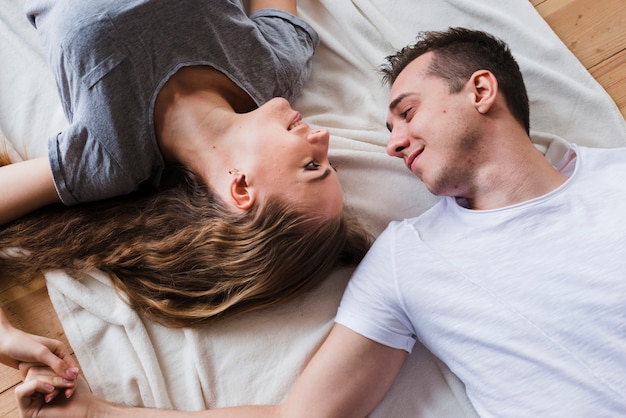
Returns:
<point x="24" y="187"/>
<point x="286" y="5"/>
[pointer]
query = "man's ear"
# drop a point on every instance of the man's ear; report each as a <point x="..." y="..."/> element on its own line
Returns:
<point x="241" y="194"/>
<point x="485" y="90"/>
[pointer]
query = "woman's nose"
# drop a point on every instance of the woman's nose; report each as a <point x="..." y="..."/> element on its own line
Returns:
<point x="318" y="137"/>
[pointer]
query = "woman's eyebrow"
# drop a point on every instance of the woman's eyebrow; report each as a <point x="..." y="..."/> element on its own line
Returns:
<point x="322" y="176"/>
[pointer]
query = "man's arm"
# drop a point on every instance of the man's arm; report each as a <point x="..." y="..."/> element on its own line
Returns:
<point x="286" y="5"/>
<point x="24" y="187"/>
<point x="347" y="377"/>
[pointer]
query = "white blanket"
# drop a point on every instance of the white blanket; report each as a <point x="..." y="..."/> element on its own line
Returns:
<point x="257" y="357"/>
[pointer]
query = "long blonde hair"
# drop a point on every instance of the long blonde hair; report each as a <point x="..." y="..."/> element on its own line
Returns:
<point x="180" y="256"/>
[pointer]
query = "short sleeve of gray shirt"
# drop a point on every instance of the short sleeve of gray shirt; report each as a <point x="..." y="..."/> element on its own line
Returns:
<point x="111" y="58"/>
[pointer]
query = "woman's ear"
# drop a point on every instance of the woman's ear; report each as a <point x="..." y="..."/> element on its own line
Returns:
<point x="241" y="194"/>
<point x="485" y="90"/>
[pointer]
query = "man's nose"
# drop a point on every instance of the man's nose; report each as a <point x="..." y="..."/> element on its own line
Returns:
<point x="398" y="141"/>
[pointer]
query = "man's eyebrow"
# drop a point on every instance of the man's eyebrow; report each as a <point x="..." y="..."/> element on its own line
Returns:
<point x="395" y="102"/>
<point x="321" y="177"/>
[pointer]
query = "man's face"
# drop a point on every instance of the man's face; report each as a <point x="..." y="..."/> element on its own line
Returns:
<point x="432" y="130"/>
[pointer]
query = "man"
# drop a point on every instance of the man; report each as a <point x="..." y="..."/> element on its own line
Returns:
<point x="515" y="279"/>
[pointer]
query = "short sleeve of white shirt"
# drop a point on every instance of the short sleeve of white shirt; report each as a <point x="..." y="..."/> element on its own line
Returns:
<point x="371" y="305"/>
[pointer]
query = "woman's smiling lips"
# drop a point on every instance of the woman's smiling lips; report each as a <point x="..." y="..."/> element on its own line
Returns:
<point x="297" y="119"/>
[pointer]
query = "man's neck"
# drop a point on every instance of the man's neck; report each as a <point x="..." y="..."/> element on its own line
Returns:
<point x="523" y="177"/>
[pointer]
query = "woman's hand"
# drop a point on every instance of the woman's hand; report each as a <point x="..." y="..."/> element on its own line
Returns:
<point x="33" y="396"/>
<point x="17" y="346"/>
<point x="19" y="349"/>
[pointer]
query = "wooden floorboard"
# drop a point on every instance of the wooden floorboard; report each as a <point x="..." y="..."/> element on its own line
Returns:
<point x="594" y="30"/>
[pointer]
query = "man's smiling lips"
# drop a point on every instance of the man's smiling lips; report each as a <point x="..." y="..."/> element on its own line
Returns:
<point x="411" y="158"/>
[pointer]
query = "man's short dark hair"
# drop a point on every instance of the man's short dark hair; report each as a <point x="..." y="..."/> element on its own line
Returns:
<point x="458" y="53"/>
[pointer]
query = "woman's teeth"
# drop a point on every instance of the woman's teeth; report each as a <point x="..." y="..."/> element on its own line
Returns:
<point x="293" y="125"/>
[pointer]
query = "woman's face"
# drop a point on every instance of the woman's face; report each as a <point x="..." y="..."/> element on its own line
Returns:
<point x="289" y="161"/>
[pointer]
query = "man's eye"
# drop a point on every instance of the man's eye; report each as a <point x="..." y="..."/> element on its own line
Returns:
<point x="313" y="165"/>
<point x="405" y="114"/>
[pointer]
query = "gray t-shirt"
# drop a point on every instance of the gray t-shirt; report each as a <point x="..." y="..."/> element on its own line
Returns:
<point x="111" y="58"/>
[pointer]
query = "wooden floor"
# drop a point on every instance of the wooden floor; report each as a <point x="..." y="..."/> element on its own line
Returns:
<point x="594" y="30"/>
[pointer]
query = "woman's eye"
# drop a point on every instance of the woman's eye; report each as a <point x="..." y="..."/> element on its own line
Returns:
<point x="313" y="165"/>
<point x="405" y="114"/>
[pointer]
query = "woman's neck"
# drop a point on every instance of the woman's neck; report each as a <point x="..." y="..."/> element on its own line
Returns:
<point x="192" y="112"/>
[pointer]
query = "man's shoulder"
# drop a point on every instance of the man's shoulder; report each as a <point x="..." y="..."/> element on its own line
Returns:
<point x="602" y="157"/>
<point x="426" y="220"/>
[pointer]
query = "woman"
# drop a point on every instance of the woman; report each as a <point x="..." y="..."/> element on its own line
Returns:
<point x="190" y="98"/>
<point x="146" y="83"/>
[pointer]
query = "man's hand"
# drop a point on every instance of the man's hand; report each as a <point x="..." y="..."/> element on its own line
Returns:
<point x="33" y="396"/>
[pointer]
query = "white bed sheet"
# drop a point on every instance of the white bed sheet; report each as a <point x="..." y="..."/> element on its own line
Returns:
<point x="257" y="357"/>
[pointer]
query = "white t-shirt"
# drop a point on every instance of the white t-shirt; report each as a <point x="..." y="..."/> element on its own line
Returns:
<point x="526" y="304"/>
